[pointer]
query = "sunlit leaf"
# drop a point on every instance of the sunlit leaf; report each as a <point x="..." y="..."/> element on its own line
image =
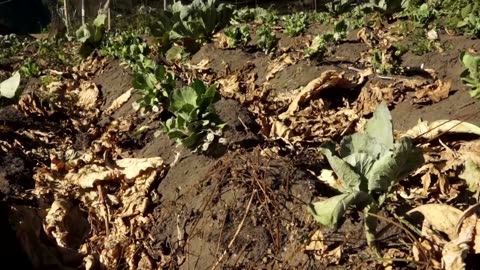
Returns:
<point x="9" y="87"/>
<point x="331" y="212"/>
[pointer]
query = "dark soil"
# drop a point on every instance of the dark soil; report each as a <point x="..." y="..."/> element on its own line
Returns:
<point x="459" y="105"/>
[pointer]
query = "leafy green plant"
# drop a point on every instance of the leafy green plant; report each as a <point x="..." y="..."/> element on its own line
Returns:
<point x="338" y="7"/>
<point x="471" y="24"/>
<point x="319" y="44"/>
<point x="320" y="17"/>
<point x="368" y="165"/>
<point x="30" y="68"/>
<point x="355" y="18"/>
<point x="191" y="25"/>
<point x="266" y="38"/>
<point x="243" y="15"/>
<point x="155" y="84"/>
<point x="295" y="24"/>
<point x="9" y="90"/>
<point x="387" y="59"/>
<point x="258" y="14"/>
<point x="385" y="7"/>
<point x="266" y="16"/>
<point x="91" y="35"/>
<point x="10" y="45"/>
<point x="420" y="44"/>
<point x="237" y="35"/>
<point x="471" y="75"/>
<point x="423" y="14"/>
<point x="195" y="123"/>
<point x="125" y="45"/>
<point x="462" y="16"/>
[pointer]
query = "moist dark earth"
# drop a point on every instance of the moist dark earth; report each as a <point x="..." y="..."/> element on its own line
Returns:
<point x="241" y="192"/>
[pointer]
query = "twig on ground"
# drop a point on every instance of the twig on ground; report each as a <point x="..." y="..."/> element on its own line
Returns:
<point x="239" y="228"/>
<point x="103" y="201"/>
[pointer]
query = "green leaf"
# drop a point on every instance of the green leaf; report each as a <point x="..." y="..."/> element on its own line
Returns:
<point x="362" y="163"/>
<point x="471" y="175"/>
<point x="350" y="179"/>
<point x="9" y="87"/>
<point x="142" y="81"/>
<point x="83" y="33"/>
<point x="100" y="20"/>
<point x="362" y="143"/>
<point x="394" y="166"/>
<point x="380" y="126"/>
<point x="331" y="212"/>
<point x="191" y="140"/>
<point x="471" y="62"/>
<point x="208" y="97"/>
<point x="184" y="99"/>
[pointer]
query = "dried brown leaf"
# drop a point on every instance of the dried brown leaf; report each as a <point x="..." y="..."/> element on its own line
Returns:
<point x="439" y="127"/>
<point x="278" y="65"/>
<point x="203" y="65"/>
<point x="133" y="167"/>
<point x="322" y="251"/>
<point x="118" y="102"/>
<point x="221" y="41"/>
<point x="30" y="105"/>
<point x="88" y="96"/>
<point x="372" y="95"/>
<point x="441" y="217"/>
<point x="433" y="92"/>
<point x="92" y="174"/>
<point x="230" y="87"/>
<point x="327" y="79"/>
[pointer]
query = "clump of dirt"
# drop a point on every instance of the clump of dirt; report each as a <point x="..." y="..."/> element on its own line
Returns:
<point x="114" y="80"/>
<point x="232" y="206"/>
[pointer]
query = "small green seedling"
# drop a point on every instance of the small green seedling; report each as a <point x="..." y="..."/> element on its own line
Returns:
<point x="387" y="60"/>
<point x="319" y="44"/>
<point x="296" y="24"/>
<point x="368" y="165"/>
<point x="237" y="36"/>
<point x="471" y="75"/>
<point x="266" y="38"/>
<point x="155" y="85"/>
<point x="30" y="68"/>
<point x="470" y="21"/>
<point x="126" y="46"/>
<point x="195" y="123"/>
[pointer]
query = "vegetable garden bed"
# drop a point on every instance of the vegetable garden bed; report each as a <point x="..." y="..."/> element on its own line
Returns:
<point x="245" y="140"/>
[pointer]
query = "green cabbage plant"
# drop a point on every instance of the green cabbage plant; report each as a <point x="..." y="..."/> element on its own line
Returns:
<point x="155" y="85"/>
<point x="296" y="24"/>
<point x="368" y="165"/>
<point x="194" y="124"/>
<point x="91" y="35"/>
<point x="471" y="75"/>
<point x="191" y="25"/>
<point x="238" y="35"/>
